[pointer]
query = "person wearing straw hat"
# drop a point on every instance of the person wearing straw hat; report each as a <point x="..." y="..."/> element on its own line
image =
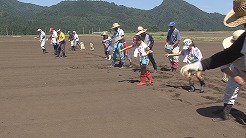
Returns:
<point x="118" y="37"/>
<point x="107" y="45"/>
<point x="234" y="71"/>
<point x="191" y="54"/>
<point x="235" y="17"/>
<point x="148" y="39"/>
<point x="173" y="39"/>
<point x="118" y="44"/>
<point x="227" y="42"/>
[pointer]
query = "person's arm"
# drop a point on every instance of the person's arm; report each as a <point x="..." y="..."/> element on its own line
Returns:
<point x="238" y="79"/>
<point x="173" y="54"/>
<point x="151" y="39"/>
<point x="130" y="46"/>
<point x="225" y="57"/>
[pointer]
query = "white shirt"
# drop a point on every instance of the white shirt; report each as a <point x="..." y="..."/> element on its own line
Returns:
<point x="76" y="37"/>
<point x="142" y="49"/>
<point x="54" y="36"/>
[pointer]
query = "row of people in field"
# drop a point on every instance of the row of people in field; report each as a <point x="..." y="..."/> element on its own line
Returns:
<point x="57" y="39"/>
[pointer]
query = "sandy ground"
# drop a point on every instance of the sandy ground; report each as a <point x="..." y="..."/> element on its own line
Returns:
<point x="81" y="96"/>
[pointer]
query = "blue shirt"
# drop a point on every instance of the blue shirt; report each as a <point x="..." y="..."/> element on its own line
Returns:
<point x="175" y="36"/>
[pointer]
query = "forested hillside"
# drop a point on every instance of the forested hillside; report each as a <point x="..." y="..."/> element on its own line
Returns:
<point x="86" y="16"/>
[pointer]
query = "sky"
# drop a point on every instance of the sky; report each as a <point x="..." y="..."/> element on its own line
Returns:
<point x="209" y="6"/>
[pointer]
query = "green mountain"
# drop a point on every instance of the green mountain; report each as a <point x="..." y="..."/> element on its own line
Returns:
<point x="87" y="16"/>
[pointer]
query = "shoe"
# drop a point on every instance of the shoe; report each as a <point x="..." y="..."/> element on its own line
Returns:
<point x="155" y="70"/>
<point x="142" y="80"/>
<point x="192" y="89"/>
<point x="202" y="88"/>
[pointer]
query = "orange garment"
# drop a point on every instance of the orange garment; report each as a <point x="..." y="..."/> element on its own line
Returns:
<point x="125" y="51"/>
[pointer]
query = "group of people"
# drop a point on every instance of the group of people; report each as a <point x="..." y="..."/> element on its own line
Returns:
<point x="232" y="60"/>
<point x="234" y="54"/>
<point x="57" y="39"/>
<point x="143" y="43"/>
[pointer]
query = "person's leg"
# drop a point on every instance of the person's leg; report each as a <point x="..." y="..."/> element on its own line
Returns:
<point x="114" y="55"/>
<point x="201" y="80"/>
<point x="142" y="75"/>
<point x="63" y="49"/>
<point x="58" y="50"/>
<point x="122" y="55"/>
<point x="152" y="60"/>
<point x="191" y="83"/>
<point x="43" y="46"/>
<point x="230" y="95"/>
<point x="175" y="59"/>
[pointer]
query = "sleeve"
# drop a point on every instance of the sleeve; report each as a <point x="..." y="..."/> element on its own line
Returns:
<point x="178" y="35"/>
<point x="225" y="57"/>
<point x="199" y="54"/>
<point x="151" y="39"/>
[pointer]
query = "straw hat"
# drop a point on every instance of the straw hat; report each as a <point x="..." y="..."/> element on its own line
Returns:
<point x="115" y="25"/>
<point x="227" y="42"/>
<point x="104" y="33"/>
<point x="141" y="30"/>
<point x="237" y="16"/>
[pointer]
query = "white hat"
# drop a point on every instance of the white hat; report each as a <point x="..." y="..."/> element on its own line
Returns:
<point x="141" y="30"/>
<point x="187" y="43"/>
<point x="227" y="42"/>
<point x="58" y="30"/>
<point x="237" y="15"/>
<point x="39" y="30"/>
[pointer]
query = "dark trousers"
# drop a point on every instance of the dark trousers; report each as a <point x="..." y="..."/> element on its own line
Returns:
<point x="152" y="60"/>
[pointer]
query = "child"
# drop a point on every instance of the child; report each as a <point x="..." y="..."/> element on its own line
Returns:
<point x="143" y="51"/>
<point x="107" y="45"/>
<point x="192" y="54"/>
<point x="127" y="54"/>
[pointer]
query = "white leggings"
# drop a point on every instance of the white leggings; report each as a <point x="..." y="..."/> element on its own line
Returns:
<point x="233" y="88"/>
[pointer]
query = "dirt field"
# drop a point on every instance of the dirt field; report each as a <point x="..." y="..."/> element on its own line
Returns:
<point x="42" y="96"/>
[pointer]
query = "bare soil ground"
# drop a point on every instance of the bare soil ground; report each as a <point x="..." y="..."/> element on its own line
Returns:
<point x="81" y="96"/>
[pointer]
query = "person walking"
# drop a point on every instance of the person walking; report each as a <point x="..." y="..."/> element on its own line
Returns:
<point x="42" y="40"/>
<point x="235" y="17"/>
<point x="191" y="54"/>
<point x="149" y="40"/>
<point x="172" y="41"/>
<point x="142" y="50"/>
<point x="54" y="39"/>
<point x="62" y="43"/>
<point x="119" y="39"/>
